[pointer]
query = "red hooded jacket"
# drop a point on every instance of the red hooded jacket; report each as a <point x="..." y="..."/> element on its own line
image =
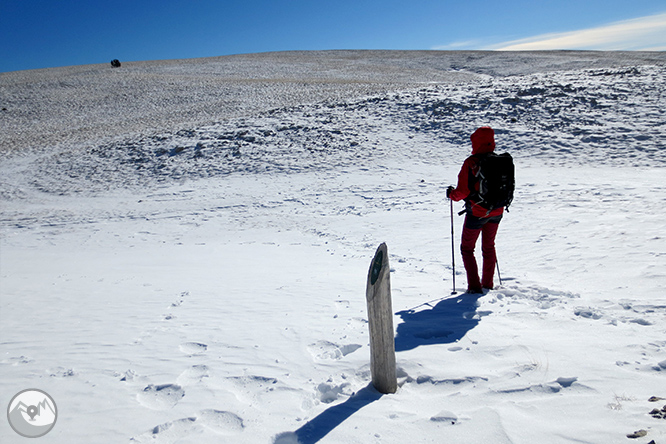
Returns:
<point x="483" y="141"/>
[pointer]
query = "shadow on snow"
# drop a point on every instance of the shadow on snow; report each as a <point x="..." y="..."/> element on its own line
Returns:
<point x="316" y="429"/>
<point x="444" y="323"/>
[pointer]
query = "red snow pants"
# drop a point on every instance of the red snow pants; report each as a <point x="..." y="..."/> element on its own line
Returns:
<point x="487" y="228"/>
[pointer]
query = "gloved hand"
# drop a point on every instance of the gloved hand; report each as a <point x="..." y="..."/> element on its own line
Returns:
<point x="449" y="190"/>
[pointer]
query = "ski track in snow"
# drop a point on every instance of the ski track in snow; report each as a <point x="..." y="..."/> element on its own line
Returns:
<point x="214" y="275"/>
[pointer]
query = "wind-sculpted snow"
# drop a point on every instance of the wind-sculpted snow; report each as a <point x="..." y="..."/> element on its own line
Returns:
<point x="607" y="116"/>
<point x="79" y="104"/>
<point x="603" y="116"/>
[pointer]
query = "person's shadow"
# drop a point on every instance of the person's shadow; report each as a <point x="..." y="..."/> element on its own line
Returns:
<point x="444" y="323"/>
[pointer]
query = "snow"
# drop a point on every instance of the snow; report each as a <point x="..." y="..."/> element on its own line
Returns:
<point x="202" y="278"/>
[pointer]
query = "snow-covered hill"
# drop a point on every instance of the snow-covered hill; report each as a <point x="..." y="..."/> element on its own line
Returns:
<point x="199" y="275"/>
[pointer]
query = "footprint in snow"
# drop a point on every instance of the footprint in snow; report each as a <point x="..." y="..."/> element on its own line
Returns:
<point x="286" y="438"/>
<point x="553" y="387"/>
<point x="194" y="374"/>
<point x="160" y="397"/>
<point x="167" y="433"/>
<point x="445" y="418"/>
<point x="224" y="423"/>
<point x="324" y="350"/>
<point x="17" y="360"/>
<point x="588" y="312"/>
<point x="220" y="422"/>
<point x="181" y="299"/>
<point x="328" y="393"/>
<point x="342" y="304"/>
<point x="193" y="348"/>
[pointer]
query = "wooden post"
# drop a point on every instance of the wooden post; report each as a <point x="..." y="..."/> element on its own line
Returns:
<point x="380" y="318"/>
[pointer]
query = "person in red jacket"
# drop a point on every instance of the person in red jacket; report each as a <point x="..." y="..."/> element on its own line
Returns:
<point x="479" y="220"/>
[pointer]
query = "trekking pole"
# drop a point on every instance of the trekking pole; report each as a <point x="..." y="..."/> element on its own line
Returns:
<point x="498" y="271"/>
<point x="453" y="251"/>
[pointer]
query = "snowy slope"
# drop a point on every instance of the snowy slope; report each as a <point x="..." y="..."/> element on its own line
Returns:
<point x="206" y="283"/>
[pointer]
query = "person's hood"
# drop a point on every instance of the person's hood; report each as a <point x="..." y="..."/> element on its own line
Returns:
<point x="483" y="140"/>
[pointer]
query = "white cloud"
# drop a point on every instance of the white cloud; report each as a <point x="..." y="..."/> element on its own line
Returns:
<point x="645" y="33"/>
<point x="459" y="45"/>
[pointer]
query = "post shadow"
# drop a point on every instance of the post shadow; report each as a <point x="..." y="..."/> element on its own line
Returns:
<point x="446" y="322"/>
<point x="316" y="429"/>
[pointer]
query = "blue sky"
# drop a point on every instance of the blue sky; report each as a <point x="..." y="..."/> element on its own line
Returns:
<point x="49" y="33"/>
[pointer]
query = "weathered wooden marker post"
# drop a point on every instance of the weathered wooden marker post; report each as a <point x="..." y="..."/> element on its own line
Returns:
<point x="380" y="318"/>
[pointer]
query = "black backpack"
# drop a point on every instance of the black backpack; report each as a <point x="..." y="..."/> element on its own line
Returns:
<point x="496" y="180"/>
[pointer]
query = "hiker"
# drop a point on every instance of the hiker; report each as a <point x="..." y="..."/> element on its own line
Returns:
<point x="480" y="219"/>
